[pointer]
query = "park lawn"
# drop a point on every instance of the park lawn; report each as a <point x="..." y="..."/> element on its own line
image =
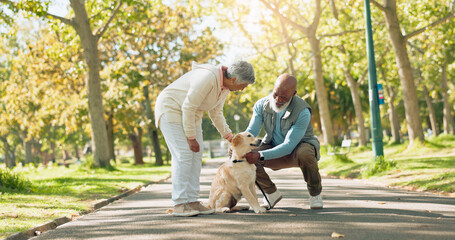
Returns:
<point x="425" y="167"/>
<point x="58" y="191"/>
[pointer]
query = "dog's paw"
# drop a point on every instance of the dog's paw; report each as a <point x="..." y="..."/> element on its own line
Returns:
<point x="225" y="210"/>
<point x="260" y="210"/>
<point x="240" y="208"/>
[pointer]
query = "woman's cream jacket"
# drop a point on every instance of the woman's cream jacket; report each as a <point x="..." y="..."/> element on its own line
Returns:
<point x="186" y="99"/>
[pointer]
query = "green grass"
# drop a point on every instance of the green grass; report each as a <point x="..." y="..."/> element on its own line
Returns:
<point x="58" y="191"/>
<point x="428" y="166"/>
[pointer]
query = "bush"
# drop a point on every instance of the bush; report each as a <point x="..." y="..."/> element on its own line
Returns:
<point x="124" y="160"/>
<point x="378" y="166"/>
<point x="443" y="140"/>
<point x="342" y="158"/>
<point x="87" y="163"/>
<point x="12" y="180"/>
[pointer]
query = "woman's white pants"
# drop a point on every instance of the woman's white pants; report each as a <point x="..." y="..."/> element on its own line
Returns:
<point x="185" y="164"/>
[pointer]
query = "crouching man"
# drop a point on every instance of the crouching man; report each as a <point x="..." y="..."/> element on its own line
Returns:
<point x="289" y="140"/>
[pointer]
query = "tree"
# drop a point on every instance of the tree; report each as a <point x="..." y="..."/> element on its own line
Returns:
<point x="425" y="91"/>
<point x="41" y="90"/>
<point x="349" y="57"/>
<point x="399" y="43"/>
<point x="391" y="92"/>
<point x="310" y="31"/>
<point x="449" y="126"/>
<point x="150" y="52"/>
<point x="82" y="24"/>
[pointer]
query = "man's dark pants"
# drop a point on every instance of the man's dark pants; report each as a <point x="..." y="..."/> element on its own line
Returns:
<point x="303" y="156"/>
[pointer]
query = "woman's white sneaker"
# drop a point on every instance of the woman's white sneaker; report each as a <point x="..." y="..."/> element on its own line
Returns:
<point x="184" y="210"/>
<point x="201" y="208"/>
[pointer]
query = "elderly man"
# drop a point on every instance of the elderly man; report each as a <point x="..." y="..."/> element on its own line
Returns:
<point x="178" y="112"/>
<point x="289" y="140"/>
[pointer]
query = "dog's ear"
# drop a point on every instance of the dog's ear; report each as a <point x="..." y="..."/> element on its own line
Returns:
<point x="237" y="140"/>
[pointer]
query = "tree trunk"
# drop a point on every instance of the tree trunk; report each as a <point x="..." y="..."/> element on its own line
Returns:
<point x="354" y="88"/>
<point x="110" y="134"/>
<point x="28" y="151"/>
<point x="9" y="161"/>
<point x="357" y="107"/>
<point x="76" y="152"/>
<point x="413" y="119"/>
<point x="52" y="154"/>
<point x="448" y="119"/>
<point x="393" y="116"/>
<point x="10" y="157"/>
<point x="432" y="113"/>
<point x="89" y="42"/>
<point x="151" y="129"/>
<point x="136" y="140"/>
<point x="157" y="148"/>
<point x="66" y="156"/>
<point x="321" y="91"/>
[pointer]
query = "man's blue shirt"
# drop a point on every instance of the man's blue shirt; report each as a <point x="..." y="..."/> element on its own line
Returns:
<point x="283" y="144"/>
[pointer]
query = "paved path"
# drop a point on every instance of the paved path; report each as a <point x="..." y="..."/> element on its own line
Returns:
<point x="351" y="208"/>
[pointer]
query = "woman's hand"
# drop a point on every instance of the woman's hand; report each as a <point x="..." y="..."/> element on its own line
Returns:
<point x="229" y="137"/>
<point x="194" y="145"/>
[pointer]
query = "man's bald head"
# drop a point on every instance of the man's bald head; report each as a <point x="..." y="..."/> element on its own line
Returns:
<point x="284" y="91"/>
<point x="286" y="82"/>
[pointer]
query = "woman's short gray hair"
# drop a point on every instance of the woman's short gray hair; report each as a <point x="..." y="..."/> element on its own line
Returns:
<point x="242" y="71"/>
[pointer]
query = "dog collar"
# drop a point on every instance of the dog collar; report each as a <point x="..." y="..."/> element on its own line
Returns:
<point x="236" y="161"/>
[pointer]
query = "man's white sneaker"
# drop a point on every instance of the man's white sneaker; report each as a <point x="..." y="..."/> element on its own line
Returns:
<point x="316" y="202"/>
<point x="273" y="198"/>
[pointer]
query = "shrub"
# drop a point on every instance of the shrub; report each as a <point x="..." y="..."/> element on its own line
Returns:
<point x="342" y="158"/>
<point x="378" y="166"/>
<point x="87" y="163"/>
<point x="12" y="180"/>
<point x="443" y="140"/>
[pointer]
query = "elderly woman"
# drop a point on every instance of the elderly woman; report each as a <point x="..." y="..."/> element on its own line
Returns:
<point x="178" y="113"/>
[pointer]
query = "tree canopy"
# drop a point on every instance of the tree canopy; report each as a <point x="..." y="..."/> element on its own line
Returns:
<point x="90" y="78"/>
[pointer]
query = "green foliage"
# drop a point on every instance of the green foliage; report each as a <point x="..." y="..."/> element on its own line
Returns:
<point x="64" y="191"/>
<point x="10" y="180"/>
<point x="379" y="165"/>
<point x="445" y="140"/>
<point x="87" y="164"/>
<point x="429" y="167"/>
<point x="342" y="158"/>
<point x="361" y="148"/>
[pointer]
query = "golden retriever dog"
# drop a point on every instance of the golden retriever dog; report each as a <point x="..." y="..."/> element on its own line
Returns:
<point x="236" y="178"/>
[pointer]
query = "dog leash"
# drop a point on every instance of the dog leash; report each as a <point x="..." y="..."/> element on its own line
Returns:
<point x="257" y="184"/>
<point x="263" y="193"/>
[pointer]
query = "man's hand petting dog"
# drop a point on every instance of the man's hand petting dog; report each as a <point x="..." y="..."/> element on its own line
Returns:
<point x="252" y="157"/>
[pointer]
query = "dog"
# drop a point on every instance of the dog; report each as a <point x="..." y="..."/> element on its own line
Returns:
<point x="236" y="178"/>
